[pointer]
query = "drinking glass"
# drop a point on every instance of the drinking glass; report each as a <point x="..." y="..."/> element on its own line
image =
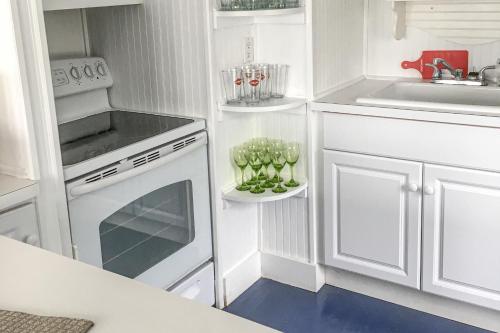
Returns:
<point x="232" y="80"/>
<point x="265" y="84"/>
<point x="292" y="3"/>
<point x="274" y="146"/>
<point x="251" y="85"/>
<point x="250" y="147"/>
<point x="292" y="153"/>
<point x="256" y="164"/>
<point x="279" y="80"/>
<point x="279" y="162"/>
<point x="226" y="5"/>
<point x="242" y="163"/>
<point x="237" y="5"/>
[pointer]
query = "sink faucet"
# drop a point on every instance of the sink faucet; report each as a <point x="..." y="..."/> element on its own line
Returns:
<point x="481" y="75"/>
<point x="457" y="73"/>
<point x="478" y="79"/>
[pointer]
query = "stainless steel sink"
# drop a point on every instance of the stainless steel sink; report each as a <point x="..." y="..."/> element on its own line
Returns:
<point x="434" y="97"/>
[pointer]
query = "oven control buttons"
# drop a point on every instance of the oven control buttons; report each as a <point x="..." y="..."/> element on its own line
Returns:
<point x="100" y="69"/>
<point x="88" y="72"/>
<point x="75" y="73"/>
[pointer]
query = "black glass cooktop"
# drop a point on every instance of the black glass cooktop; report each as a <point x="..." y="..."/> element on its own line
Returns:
<point x="102" y="133"/>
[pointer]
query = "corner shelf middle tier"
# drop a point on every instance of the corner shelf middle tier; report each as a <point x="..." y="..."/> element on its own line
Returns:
<point x="269" y="196"/>
<point x="271" y="105"/>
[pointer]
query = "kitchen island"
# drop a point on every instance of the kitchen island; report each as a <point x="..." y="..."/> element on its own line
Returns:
<point x="42" y="283"/>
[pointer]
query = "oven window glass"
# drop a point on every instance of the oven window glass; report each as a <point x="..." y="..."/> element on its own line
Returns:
<point x="148" y="230"/>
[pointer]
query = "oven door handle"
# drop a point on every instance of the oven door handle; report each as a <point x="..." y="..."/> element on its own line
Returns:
<point x="92" y="187"/>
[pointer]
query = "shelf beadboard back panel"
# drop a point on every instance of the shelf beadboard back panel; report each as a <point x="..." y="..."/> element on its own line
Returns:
<point x="157" y="54"/>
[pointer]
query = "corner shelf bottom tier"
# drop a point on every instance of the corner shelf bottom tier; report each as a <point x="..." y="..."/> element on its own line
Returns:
<point x="268" y="196"/>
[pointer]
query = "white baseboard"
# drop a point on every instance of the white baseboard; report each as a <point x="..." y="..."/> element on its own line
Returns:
<point x="295" y="273"/>
<point x="415" y="299"/>
<point x="241" y="277"/>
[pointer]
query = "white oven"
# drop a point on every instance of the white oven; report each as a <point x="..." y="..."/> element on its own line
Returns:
<point x="148" y="216"/>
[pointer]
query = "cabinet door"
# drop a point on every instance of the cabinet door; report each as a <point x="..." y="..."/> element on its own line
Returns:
<point x="21" y="224"/>
<point x="373" y="216"/>
<point x="462" y="235"/>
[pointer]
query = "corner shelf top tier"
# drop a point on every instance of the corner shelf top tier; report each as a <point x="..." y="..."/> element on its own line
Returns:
<point x="271" y="105"/>
<point x="227" y="19"/>
<point x="49" y="5"/>
<point x="269" y="196"/>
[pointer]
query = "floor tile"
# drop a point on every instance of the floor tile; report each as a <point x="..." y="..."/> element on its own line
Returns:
<point x="293" y="310"/>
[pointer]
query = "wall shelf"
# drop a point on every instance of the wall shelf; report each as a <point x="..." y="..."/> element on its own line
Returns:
<point x="227" y="19"/>
<point x="465" y="22"/>
<point x="247" y="197"/>
<point x="271" y="105"/>
<point x="49" y="5"/>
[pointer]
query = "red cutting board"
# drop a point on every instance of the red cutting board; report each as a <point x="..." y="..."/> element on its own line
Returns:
<point x="457" y="59"/>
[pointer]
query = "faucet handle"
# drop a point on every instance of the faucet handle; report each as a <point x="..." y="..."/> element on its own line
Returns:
<point x="436" y="75"/>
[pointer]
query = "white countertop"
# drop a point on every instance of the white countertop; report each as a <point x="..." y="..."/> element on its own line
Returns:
<point x="42" y="283"/>
<point x="15" y="190"/>
<point x="344" y="101"/>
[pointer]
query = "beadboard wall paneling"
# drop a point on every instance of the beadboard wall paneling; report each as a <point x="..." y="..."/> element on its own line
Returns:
<point x="65" y="34"/>
<point x="385" y="54"/>
<point x="338" y="42"/>
<point x="157" y="55"/>
<point x="285" y="229"/>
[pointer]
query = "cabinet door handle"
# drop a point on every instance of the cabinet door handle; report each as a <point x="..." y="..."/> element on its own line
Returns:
<point x="413" y="187"/>
<point x="429" y="190"/>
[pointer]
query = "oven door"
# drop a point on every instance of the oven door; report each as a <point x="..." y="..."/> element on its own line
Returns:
<point x="151" y="223"/>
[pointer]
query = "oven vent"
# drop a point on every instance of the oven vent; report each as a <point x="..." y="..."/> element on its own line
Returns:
<point x="184" y="143"/>
<point x="140" y="161"/>
<point x="154" y="156"/>
<point x="101" y="175"/>
<point x="146" y="159"/>
<point x="109" y="172"/>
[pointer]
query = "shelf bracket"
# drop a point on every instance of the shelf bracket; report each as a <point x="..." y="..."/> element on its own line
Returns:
<point x="399" y="14"/>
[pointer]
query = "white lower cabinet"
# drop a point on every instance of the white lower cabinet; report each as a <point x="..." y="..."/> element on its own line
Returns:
<point x="372" y="216"/>
<point x="21" y="224"/>
<point x="461" y="238"/>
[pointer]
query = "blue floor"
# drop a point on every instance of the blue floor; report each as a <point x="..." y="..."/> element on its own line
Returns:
<point x="335" y="310"/>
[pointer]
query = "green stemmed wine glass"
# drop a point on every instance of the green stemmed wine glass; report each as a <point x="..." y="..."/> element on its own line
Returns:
<point x="279" y="162"/>
<point x="251" y="147"/>
<point x="256" y="164"/>
<point x="265" y="157"/>
<point x="274" y="146"/>
<point x="292" y="153"/>
<point x="262" y="144"/>
<point x="242" y="163"/>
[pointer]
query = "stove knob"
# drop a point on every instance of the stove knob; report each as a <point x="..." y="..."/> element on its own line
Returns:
<point x="101" y="70"/>
<point x="75" y="73"/>
<point x="88" y="71"/>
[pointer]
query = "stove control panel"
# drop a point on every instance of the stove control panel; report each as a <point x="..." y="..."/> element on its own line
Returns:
<point x="74" y="76"/>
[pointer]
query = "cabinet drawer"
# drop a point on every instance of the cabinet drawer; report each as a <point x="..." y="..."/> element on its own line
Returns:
<point x="457" y="145"/>
<point x="21" y="224"/>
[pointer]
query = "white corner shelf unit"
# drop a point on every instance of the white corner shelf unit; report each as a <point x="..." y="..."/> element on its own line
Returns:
<point x="49" y="5"/>
<point x="466" y="22"/>
<point x="270" y="105"/>
<point x="228" y="19"/>
<point x="268" y="196"/>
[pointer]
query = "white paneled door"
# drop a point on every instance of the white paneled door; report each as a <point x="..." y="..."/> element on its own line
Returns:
<point x="462" y="235"/>
<point x="372" y="216"/>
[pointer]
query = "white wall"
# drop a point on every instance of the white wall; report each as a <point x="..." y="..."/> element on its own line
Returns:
<point x="15" y="145"/>
<point x="338" y="42"/>
<point x="156" y="53"/>
<point x="65" y="33"/>
<point x="385" y="54"/>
